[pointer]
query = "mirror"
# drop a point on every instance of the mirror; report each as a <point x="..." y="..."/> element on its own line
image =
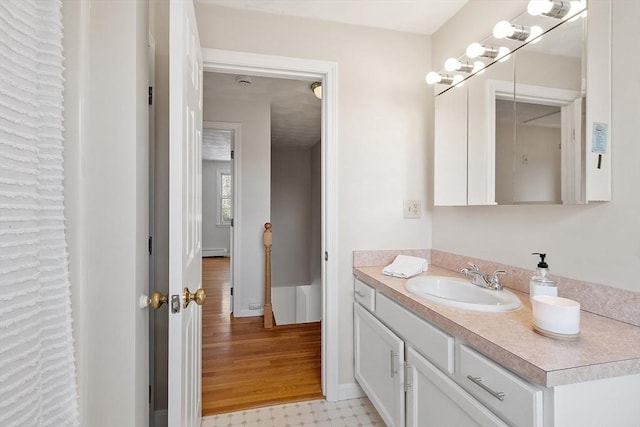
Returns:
<point x="529" y="121"/>
<point x="539" y="121"/>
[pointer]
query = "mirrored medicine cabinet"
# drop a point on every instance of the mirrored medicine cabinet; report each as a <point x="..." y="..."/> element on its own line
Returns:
<point x="524" y="130"/>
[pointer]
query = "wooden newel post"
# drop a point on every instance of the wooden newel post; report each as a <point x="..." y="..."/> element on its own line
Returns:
<point x="268" y="310"/>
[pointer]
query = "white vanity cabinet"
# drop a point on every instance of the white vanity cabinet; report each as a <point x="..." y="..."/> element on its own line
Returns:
<point x="407" y="367"/>
<point x="379" y="366"/>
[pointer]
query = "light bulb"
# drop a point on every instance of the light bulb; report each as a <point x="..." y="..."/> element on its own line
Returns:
<point x="457" y="80"/>
<point x="503" y="54"/>
<point x="503" y="29"/>
<point x="576" y="7"/>
<point x="534" y="35"/>
<point x="478" y="67"/>
<point x="433" y="78"/>
<point x="539" y="7"/>
<point x="452" y="64"/>
<point x="474" y="50"/>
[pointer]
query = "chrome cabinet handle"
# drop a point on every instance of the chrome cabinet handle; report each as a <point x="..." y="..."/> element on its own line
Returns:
<point x="360" y="294"/>
<point x="478" y="381"/>
<point x="393" y="365"/>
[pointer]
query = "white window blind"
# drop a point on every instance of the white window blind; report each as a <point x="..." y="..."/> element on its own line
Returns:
<point x="37" y="366"/>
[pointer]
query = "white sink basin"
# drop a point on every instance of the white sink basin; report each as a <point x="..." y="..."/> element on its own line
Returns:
<point x="461" y="293"/>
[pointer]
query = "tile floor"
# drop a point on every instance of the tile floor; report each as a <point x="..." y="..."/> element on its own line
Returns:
<point x="314" y="413"/>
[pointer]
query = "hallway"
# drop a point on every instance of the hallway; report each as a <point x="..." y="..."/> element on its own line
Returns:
<point x="246" y="366"/>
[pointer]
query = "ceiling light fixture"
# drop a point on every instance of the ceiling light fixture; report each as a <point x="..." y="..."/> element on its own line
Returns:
<point x="244" y="80"/>
<point x="316" y="88"/>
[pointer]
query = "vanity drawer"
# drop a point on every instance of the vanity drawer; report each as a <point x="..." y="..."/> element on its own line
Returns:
<point x="430" y="341"/>
<point x="516" y="401"/>
<point x="364" y="294"/>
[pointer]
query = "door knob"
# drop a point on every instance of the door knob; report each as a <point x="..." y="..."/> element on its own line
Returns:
<point x="156" y="300"/>
<point x="198" y="296"/>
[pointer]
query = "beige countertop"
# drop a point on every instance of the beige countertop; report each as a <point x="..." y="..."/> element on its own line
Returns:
<point x="606" y="347"/>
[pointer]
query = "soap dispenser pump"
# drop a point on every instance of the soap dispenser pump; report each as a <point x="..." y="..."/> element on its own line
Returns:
<point x="541" y="283"/>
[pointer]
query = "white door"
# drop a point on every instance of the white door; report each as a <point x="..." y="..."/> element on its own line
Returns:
<point x="185" y="215"/>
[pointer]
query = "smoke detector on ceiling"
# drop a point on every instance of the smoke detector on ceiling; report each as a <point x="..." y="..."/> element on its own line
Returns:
<point x="243" y="80"/>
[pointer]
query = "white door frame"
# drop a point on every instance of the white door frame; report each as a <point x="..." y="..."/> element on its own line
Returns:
<point x="225" y="61"/>
<point x="235" y="232"/>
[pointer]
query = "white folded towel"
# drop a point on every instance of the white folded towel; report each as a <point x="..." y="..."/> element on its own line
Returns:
<point x="406" y="266"/>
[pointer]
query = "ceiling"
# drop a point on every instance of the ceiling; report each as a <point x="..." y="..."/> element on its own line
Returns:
<point x="413" y="16"/>
<point x="295" y="111"/>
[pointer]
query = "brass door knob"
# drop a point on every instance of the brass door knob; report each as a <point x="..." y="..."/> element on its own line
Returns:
<point x="156" y="300"/>
<point x="199" y="296"/>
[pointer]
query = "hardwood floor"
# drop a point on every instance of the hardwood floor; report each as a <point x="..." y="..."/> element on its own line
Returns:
<point x="246" y="366"/>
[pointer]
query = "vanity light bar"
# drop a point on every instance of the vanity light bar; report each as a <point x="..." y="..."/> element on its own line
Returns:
<point x="433" y="78"/>
<point x="453" y="64"/>
<point x="559" y="9"/>
<point x="505" y="29"/>
<point x="475" y="50"/>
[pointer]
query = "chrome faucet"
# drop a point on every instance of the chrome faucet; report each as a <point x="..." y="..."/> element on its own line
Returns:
<point x="483" y="279"/>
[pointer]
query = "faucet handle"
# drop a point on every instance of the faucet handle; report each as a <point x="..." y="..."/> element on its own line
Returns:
<point x="495" y="279"/>
<point x="499" y="273"/>
<point x="473" y="266"/>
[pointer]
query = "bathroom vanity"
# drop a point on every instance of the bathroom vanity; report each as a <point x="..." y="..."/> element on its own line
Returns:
<point x="425" y="364"/>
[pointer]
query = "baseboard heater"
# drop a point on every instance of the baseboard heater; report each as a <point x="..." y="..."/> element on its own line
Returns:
<point x="215" y="252"/>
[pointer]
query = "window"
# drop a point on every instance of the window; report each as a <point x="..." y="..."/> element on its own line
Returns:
<point x="224" y="198"/>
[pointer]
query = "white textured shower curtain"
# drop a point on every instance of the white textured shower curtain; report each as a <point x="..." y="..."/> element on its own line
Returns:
<point x="37" y="365"/>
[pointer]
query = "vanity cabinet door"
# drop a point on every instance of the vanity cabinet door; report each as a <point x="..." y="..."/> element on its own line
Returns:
<point x="434" y="400"/>
<point x="379" y="366"/>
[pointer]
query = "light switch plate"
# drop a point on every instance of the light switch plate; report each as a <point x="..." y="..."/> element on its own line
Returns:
<point x="412" y="209"/>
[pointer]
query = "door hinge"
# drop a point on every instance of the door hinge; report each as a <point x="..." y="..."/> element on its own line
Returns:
<point x="326" y="256"/>
<point x="231" y="291"/>
<point x="150" y="95"/>
<point x="232" y="154"/>
<point x="149" y="394"/>
<point x="407" y="384"/>
<point x="150" y="245"/>
<point x="232" y="222"/>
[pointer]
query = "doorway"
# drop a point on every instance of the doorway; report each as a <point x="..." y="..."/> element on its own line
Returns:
<point x="241" y="63"/>
<point x="281" y="121"/>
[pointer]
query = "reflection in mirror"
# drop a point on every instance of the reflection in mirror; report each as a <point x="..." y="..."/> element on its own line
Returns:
<point x="528" y="171"/>
<point x="539" y="136"/>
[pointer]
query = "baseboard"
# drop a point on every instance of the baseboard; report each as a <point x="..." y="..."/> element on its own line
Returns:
<point x="350" y="391"/>
<point x="215" y="252"/>
<point x="248" y="313"/>
<point x="160" y="418"/>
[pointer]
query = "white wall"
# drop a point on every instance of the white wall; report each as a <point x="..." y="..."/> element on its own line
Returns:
<point x="252" y="154"/>
<point x="214" y="236"/>
<point x="599" y="242"/>
<point x="537" y="179"/>
<point x="384" y="113"/>
<point x="290" y="215"/>
<point x="106" y="205"/>
<point x="296" y="218"/>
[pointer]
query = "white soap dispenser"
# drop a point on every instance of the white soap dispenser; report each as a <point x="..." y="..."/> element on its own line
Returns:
<point x="541" y="283"/>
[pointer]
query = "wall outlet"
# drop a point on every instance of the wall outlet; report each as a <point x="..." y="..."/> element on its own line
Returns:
<point x="255" y="306"/>
<point x="412" y="209"/>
